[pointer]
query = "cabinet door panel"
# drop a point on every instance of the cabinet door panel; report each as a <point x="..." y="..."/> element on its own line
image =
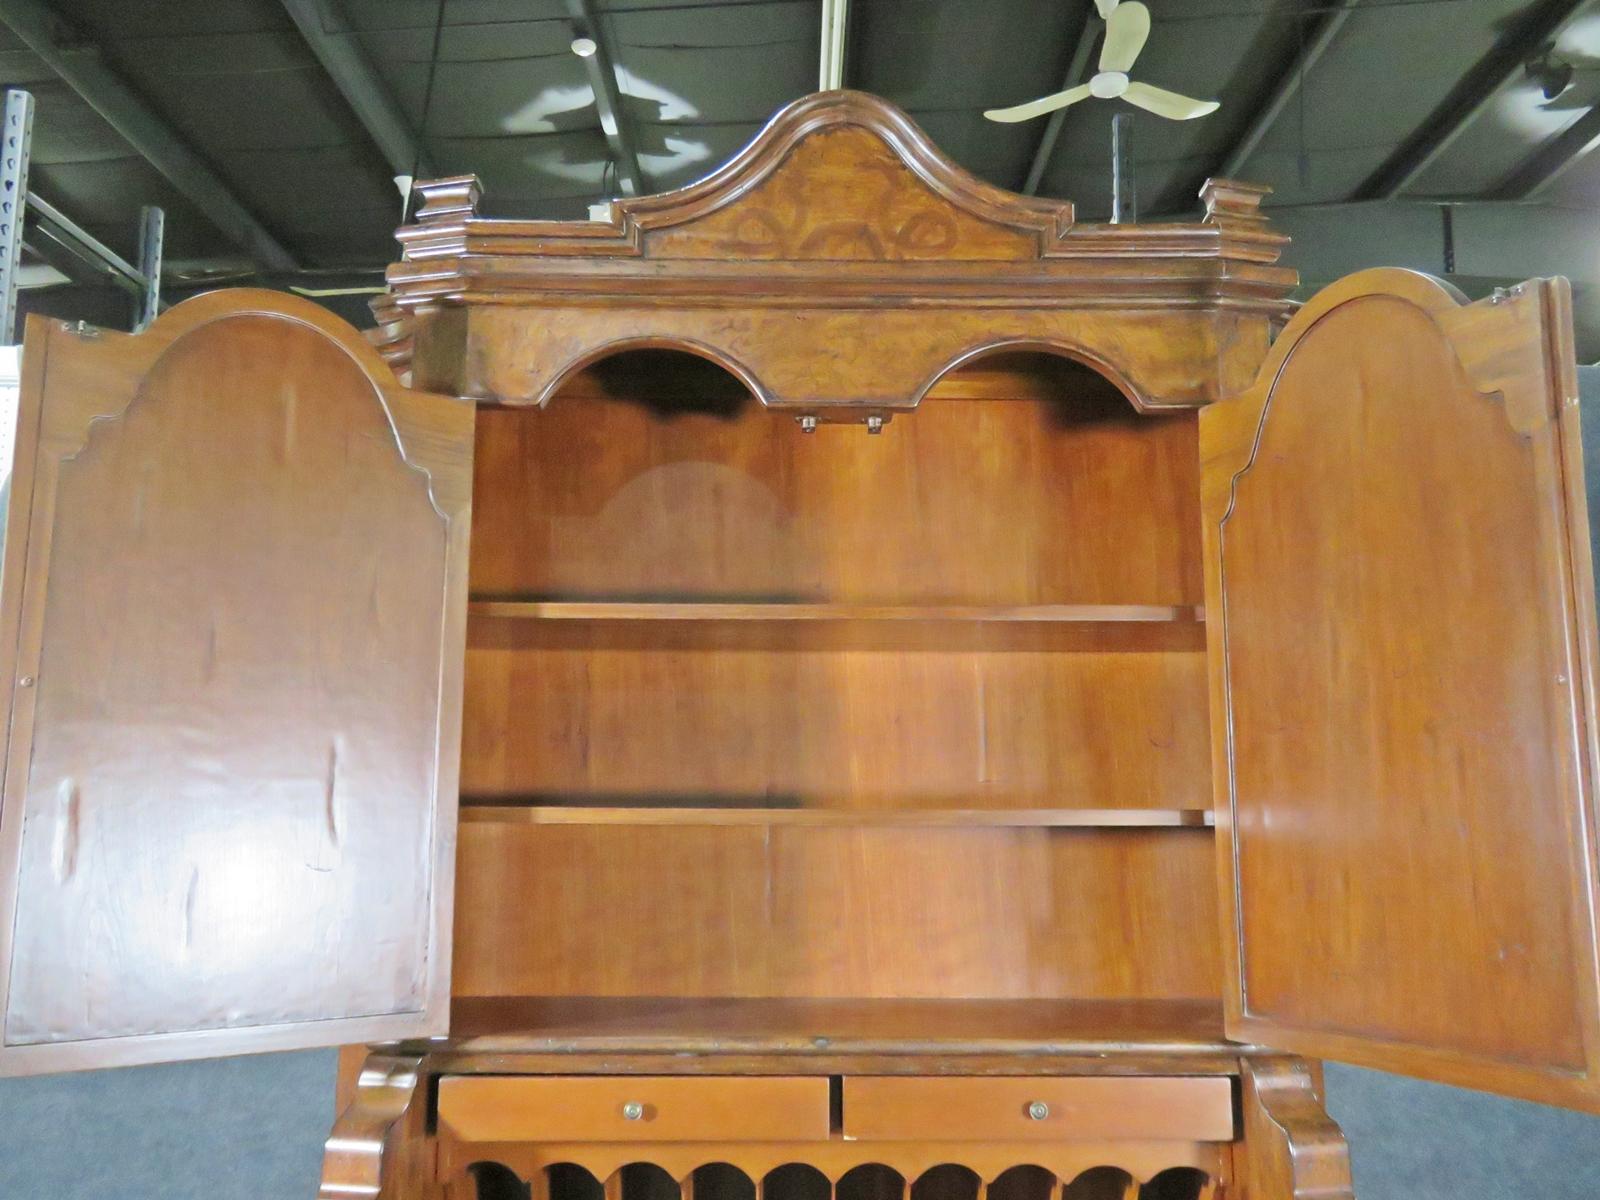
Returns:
<point x="1401" y="631"/>
<point x="235" y="583"/>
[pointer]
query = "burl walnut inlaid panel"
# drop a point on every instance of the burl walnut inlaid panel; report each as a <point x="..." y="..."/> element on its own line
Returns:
<point x="796" y="213"/>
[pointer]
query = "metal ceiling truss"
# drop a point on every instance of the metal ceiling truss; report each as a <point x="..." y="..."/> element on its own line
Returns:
<point x="601" y="63"/>
<point x="1284" y="90"/>
<point x="1077" y="69"/>
<point x="1553" y="160"/>
<point x="333" y="42"/>
<point x="1498" y="70"/>
<point x="80" y="66"/>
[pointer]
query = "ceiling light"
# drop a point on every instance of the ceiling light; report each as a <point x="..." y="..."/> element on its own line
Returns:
<point x="584" y="47"/>
<point x="1551" y="74"/>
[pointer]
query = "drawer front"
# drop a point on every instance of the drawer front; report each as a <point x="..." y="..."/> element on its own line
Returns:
<point x="638" y="1108"/>
<point x="1198" y="1109"/>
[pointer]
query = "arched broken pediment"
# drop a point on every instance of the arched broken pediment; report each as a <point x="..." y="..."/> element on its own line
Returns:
<point x="844" y="263"/>
<point x="845" y="177"/>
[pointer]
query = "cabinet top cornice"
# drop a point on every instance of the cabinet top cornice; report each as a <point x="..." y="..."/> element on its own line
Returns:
<point x="843" y="190"/>
<point x="840" y="224"/>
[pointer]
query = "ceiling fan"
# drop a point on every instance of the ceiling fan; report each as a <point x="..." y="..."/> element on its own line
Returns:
<point x="1127" y="28"/>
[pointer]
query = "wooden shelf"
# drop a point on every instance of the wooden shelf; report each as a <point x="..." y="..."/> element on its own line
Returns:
<point x="512" y="812"/>
<point x="672" y="610"/>
<point x="782" y="626"/>
<point x="808" y="1027"/>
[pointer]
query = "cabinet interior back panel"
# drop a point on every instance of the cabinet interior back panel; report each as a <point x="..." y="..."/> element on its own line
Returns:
<point x="820" y="728"/>
<point x="653" y="480"/>
<point x="690" y="490"/>
<point x="823" y="912"/>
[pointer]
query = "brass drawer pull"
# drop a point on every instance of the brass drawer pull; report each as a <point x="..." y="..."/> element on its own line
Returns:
<point x="1038" y="1110"/>
<point x="633" y="1111"/>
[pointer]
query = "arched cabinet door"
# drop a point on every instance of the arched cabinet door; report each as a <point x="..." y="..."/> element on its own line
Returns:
<point x="232" y="623"/>
<point x="1402" y="639"/>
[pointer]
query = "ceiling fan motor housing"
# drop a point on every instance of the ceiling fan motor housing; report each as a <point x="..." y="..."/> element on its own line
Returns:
<point x="1108" y="85"/>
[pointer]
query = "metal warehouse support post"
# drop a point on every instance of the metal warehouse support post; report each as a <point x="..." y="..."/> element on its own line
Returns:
<point x="835" y="37"/>
<point x="16" y="142"/>
<point x="152" y="226"/>
<point x="1124" y="196"/>
<point x="53" y="227"/>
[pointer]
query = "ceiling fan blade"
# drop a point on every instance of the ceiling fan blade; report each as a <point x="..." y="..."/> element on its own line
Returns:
<point x="1168" y="104"/>
<point x="1126" y="30"/>
<point x="1035" y="108"/>
<point x="1105" y="8"/>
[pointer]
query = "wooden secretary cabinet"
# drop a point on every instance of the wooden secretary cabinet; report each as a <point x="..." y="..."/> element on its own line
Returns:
<point x="941" y="695"/>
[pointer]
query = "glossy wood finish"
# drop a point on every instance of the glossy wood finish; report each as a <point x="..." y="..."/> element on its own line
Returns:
<point x="1403" y="694"/>
<point x="1051" y="614"/>
<point x="823" y="912"/>
<point x="1291" y="1149"/>
<point x="657" y="479"/>
<point x="230" y="782"/>
<point x="589" y="1108"/>
<point x="870" y="800"/>
<point x="857" y="728"/>
<point x="693" y="500"/>
<point x="378" y="1147"/>
<point x="716" y="814"/>
<point x="1056" y="1108"/>
<point x="894" y="1170"/>
<point x="959" y="1029"/>
<point x="838" y="265"/>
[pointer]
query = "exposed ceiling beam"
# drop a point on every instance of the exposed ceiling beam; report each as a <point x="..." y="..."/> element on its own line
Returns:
<point x="602" y="67"/>
<point x="1283" y="91"/>
<point x="1076" y="70"/>
<point x="1490" y="77"/>
<point x="835" y="36"/>
<point x="325" y="30"/>
<point x="81" y="67"/>
<point x="1553" y="160"/>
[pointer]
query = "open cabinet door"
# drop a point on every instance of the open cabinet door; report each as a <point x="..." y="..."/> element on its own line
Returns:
<point x="1402" y="642"/>
<point x="232" y="623"/>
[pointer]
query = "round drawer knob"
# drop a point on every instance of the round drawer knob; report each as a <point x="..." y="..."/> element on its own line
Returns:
<point x="1038" y="1110"/>
<point x="633" y="1111"/>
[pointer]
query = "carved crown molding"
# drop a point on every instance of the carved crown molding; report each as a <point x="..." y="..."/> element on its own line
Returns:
<point x="839" y="224"/>
<point x="845" y="191"/>
<point x="449" y="206"/>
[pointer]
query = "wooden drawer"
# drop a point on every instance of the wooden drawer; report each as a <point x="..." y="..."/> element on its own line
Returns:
<point x="637" y="1108"/>
<point x="1198" y="1109"/>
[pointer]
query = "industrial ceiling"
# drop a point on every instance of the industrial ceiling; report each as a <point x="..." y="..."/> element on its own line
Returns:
<point x="1410" y="132"/>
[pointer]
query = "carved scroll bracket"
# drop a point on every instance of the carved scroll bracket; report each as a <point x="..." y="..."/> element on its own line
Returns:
<point x="378" y="1147"/>
<point x="1293" y="1150"/>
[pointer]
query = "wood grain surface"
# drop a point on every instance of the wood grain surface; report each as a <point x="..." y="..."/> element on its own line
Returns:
<point x="230" y="786"/>
<point x="1402" y="694"/>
